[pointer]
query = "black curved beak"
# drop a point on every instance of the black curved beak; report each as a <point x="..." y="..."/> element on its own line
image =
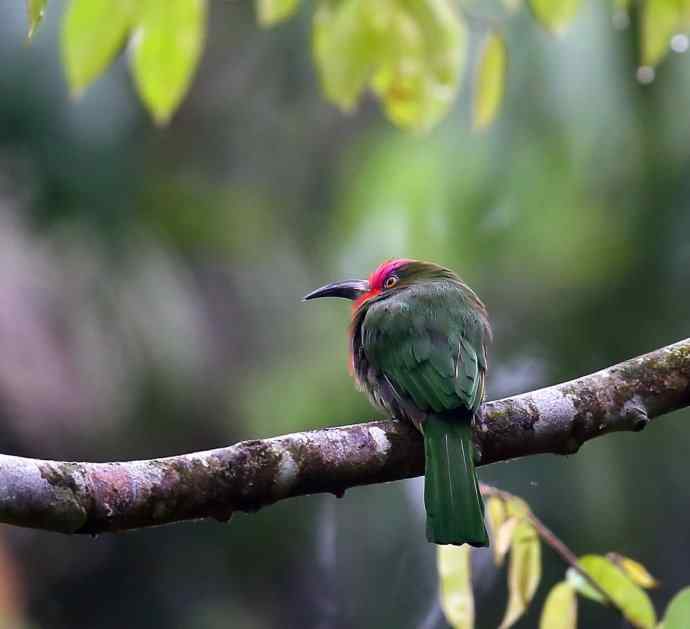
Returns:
<point x="348" y="289"/>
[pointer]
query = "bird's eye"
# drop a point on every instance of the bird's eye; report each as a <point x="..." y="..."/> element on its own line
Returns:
<point x="390" y="281"/>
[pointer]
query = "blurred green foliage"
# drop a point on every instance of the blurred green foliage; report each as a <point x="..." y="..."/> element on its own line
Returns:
<point x="411" y="54"/>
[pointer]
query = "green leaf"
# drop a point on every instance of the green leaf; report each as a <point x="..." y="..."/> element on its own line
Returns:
<point x="168" y="41"/>
<point x="35" y="10"/>
<point x="496" y="514"/>
<point x="584" y="587"/>
<point x="524" y="571"/>
<point x="661" y="19"/>
<point x="344" y="47"/>
<point x="411" y="54"/>
<point x="555" y="15"/>
<point x="517" y="507"/>
<point x="677" y="614"/>
<point x="490" y="80"/>
<point x="560" y="608"/>
<point x="634" y="570"/>
<point x="270" y="12"/>
<point x="457" y="599"/>
<point x="93" y="31"/>
<point x="629" y="598"/>
<point x="504" y="538"/>
<point x="425" y="51"/>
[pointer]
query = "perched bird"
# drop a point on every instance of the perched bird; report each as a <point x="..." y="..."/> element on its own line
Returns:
<point x="418" y="343"/>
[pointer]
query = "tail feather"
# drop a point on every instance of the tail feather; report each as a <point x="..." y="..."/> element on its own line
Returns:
<point x="454" y="506"/>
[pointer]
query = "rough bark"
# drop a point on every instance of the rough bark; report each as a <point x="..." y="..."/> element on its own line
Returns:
<point x="105" y="497"/>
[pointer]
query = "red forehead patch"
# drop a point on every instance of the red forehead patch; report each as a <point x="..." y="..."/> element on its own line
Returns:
<point x="378" y="277"/>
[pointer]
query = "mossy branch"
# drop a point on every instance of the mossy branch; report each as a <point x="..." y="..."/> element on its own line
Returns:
<point x="106" y="497"/>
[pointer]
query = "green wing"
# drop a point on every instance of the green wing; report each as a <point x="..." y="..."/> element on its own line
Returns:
<point x="429" y="344"/>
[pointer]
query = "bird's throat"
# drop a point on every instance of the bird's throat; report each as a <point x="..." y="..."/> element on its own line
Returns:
<point x="362" y="299"/>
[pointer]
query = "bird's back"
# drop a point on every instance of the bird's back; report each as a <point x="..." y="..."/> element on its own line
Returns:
<point x="421" y="350"/>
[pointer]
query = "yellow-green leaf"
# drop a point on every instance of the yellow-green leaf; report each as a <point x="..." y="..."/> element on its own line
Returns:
<point x="677" y="614"/>
<point x="634" y="570"/>
<point x="457" y="600"/>
<point x="490" y="80"/>
<point x="411" y="54"/>
<point x="660" y="20"/>
<point x="503" y="539"/>
<point x="524" y="571"/>
<point x="344" y="50"/>
<point x="583" y="587"/>
<point x="560" y="608"/>
<point x="496" y="513"/>
<point x="168" y="41"/>
<point x="517" y="507"/>
<point x="629" y="598"/>
<point x="555" y="15"/>
<point x="93" y="32"/>
<point x="35" y="10"/>
<point x="424" y="52"/>
<point x="270" y="12"/>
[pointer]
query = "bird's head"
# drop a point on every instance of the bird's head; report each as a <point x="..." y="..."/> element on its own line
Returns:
<point x="391" y="275"/>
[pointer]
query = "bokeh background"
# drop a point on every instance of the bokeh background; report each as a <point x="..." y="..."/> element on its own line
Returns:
<point x="150" y="285"/>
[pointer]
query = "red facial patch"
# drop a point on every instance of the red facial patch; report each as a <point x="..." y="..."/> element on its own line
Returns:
<point x="378" y="277"/>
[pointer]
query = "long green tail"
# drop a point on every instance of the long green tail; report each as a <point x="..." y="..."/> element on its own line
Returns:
<point x="454" y="507"/>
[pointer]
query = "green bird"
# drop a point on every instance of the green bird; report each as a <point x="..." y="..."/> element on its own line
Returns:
<point x="418" y="344"/>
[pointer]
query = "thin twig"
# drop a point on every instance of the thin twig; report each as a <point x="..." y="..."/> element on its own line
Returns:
<point x="551" y="539"/>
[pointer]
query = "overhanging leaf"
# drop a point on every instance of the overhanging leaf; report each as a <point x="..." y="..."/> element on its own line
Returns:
<point x="560" y="608"/>
<point x="344" y="46"/>
<point x="490" y="81"/>
<point x="457" y="600"/>
<point x="632" y="601"/>
<point x="660" y="20"/>
<point x="555" y="15"/>
<point x="35" y="10"/>
<point x="524" y="571"/>
<point x="411" y="54"/>
<point x="93" y="32"/>
<point x="634" y="570"/>
<point x="168" y="41"/>
<point x="677" y="614"/>
<point x="270" y="12"/>
<point x="421" y="66"/>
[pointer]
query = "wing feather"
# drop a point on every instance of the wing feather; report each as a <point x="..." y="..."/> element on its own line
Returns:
<point x="428" y="348"/>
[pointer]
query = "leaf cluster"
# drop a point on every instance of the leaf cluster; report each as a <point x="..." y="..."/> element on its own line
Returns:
<point x="613" y="580"/>
<point x="410" y="54"/>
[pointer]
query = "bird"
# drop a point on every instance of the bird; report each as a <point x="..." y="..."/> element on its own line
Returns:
<point x="418" y="339"/>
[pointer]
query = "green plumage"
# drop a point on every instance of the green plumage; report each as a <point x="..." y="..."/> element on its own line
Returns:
<point x="454" y="507"/>
<point x="419" y="352"/>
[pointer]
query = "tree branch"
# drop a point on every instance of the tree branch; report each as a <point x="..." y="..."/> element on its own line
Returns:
<point x="102" y="497"/>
